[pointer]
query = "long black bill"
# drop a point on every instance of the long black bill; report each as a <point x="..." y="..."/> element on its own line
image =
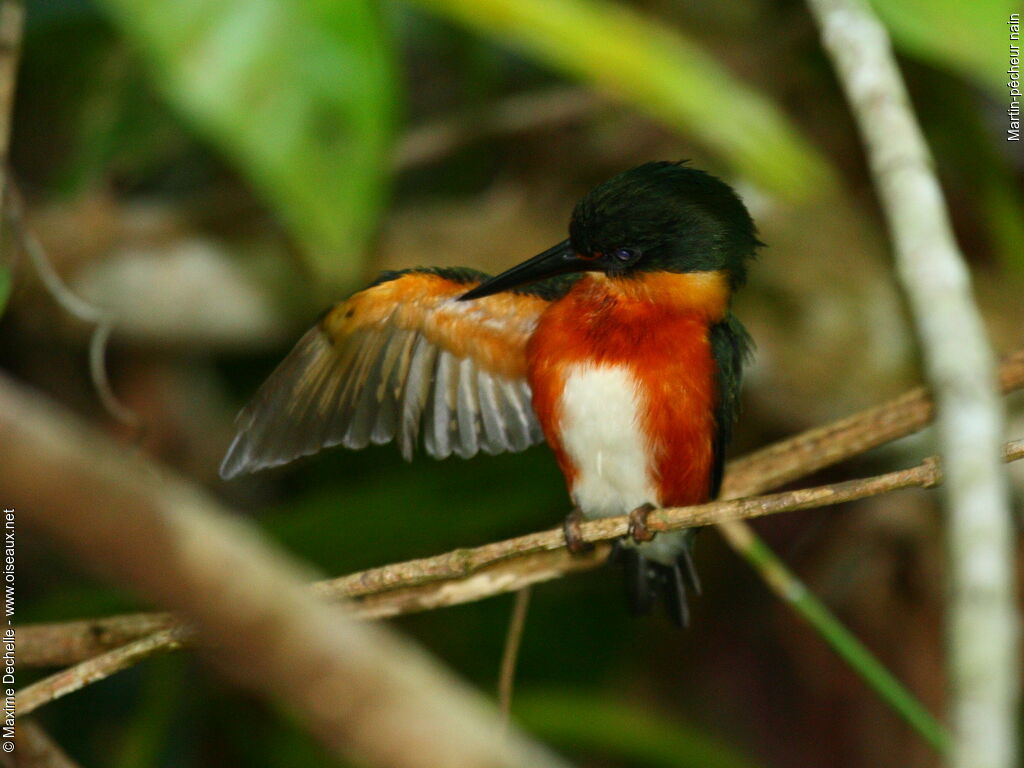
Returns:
<point x="557" y="260"/>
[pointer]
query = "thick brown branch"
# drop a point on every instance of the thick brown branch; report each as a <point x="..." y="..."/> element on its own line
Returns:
<point x="369" y="695"/>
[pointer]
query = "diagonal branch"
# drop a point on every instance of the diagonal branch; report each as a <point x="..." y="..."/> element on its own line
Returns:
<point x="72" y="679"/>
<point x="832" y="443"/>
<point x="58" y="644"/>
<point x="419" y="585"/>
<point x="398" y="588"/>
<point x="65" y="643"/>
<point x="982" y="617"/>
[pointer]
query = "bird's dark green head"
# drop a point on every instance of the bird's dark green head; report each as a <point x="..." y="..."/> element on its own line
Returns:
<point x="655" y="217"/>
<point x="665" y="217"/>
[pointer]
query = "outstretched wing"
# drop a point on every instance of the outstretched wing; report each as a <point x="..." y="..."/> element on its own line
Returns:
<point x="401" y="359"/>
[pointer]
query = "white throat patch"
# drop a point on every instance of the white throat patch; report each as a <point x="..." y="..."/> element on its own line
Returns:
<point x="601" y="433"/>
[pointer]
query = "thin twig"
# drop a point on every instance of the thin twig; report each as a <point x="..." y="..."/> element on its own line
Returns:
<point x="71" y="303"/>
<point x="70" y="642"/>
<point x="464" y="575"/>
<point x="840" y="440"/>
<point x="479" y="572"/>
<point x="101" y="381"/>
<point x="981" y="618"/>
<point x="513" y="641"/>
<point x="59" y="644"/>
<point x="72" y="679"/>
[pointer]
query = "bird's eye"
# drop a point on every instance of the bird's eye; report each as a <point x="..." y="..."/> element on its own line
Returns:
<point x="625" y="254"/>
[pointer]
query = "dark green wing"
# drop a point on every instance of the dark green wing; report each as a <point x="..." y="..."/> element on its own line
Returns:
<point x="732" y="347"/>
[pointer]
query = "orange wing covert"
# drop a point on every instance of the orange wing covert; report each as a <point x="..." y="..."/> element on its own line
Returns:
<point x="398" y="359"/>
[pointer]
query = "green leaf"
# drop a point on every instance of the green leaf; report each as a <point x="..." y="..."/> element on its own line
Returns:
<point x="593" y="722"/>
<point x="298" y="94"/>
<point x="971" y="38"/>
<point x="660" y="71"/>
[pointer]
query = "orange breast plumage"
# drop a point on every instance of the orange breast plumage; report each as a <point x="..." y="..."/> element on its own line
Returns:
<point x="624" y="386"/>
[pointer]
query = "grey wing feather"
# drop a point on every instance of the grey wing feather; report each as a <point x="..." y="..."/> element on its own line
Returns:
<point x="415" y="394"/>
<point x="380" y="384"/>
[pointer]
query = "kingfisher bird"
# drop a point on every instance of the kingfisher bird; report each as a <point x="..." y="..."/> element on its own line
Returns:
<point x="617" y="346"/>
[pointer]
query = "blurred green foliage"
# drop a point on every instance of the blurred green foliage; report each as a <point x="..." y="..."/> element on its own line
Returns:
<point x="660" y="71"/>
<point x="147" y="732"/>
<point x="303" y="101"/>
<point x="597" y="723"/>
<point x="967" y="37"/>
<point x="300" y="95"/>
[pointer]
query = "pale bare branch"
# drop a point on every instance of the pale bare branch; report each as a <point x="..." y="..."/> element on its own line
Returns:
<point x="982" y="617"/>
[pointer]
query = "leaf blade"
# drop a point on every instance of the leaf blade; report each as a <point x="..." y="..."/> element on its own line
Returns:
<point x="299" y="96"/>
<point x="660" y="71"/>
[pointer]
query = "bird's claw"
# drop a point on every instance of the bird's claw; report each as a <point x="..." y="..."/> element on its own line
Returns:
<point x="574" y="541"/>
<point x="638" y="530"/>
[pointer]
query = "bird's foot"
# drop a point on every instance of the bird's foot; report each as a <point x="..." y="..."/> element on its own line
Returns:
<point x="638" y="530"/>
<point x="573" y="536"/>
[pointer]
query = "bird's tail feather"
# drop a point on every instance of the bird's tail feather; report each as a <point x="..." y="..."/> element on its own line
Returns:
<point x="647" y="581"/>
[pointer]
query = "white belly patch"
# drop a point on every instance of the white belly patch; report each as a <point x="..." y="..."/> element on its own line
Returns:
<point x="600" y="431"/>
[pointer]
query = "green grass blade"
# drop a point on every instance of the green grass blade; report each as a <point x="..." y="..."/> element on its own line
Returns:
<point x="657" y="70"/>
<point x="786" y="584"/>
<point x="299" y="95"/>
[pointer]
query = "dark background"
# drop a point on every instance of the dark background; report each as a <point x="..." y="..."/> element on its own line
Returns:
<point x="169" y="182"/>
